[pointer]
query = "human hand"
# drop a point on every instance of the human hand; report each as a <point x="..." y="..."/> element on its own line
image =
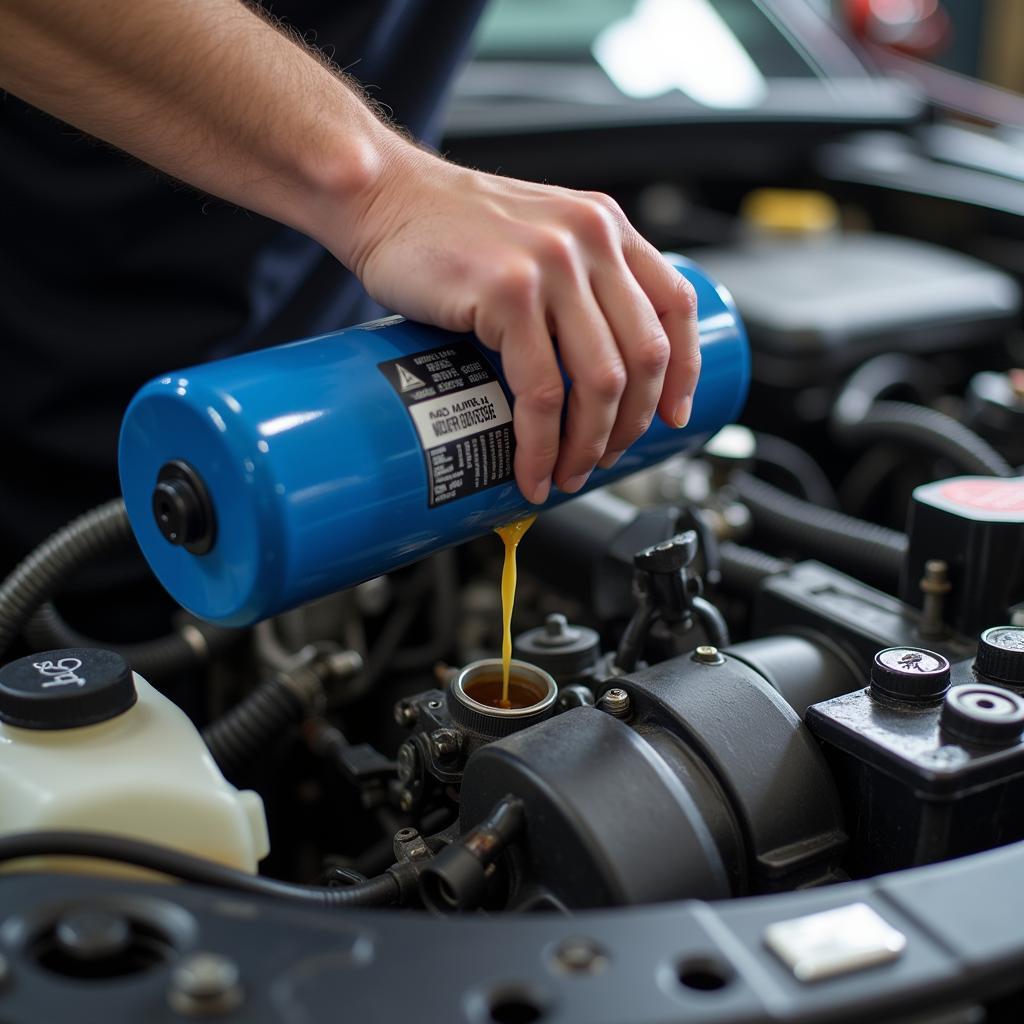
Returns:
<point x="519" y="264"/>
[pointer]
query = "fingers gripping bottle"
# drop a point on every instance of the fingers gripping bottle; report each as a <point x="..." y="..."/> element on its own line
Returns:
<point x="257" y="483"/>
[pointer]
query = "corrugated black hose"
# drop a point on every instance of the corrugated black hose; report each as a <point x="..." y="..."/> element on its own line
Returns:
<point x="743" y="569"/>
<point x="853" y="545"/>
<point x="927" y="429"/>
<point x="26" y="594"/>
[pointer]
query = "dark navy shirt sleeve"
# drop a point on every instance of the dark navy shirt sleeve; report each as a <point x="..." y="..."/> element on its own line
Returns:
<point x="114" y="273"/>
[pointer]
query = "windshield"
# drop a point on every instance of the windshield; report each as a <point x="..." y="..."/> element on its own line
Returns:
<point x="706" y="48"/>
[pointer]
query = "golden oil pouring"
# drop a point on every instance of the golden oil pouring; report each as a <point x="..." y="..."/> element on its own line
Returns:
<point x="511" y="534"/>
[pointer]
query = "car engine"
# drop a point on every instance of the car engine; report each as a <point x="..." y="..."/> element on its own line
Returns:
<point x="763" y="759"/>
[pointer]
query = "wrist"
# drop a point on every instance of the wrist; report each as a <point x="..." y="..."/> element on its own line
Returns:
<point x="342" y="175"/>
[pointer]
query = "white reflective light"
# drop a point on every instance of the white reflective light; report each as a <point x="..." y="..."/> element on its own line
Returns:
<point x="679" y="44"/>
<point x="279" y="424"/>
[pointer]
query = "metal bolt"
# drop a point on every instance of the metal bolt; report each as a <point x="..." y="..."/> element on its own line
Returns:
<point x="556" y="624"/>
<point x="344" y="664"/>
<point x="615" y="702"/>
<point x="434" y="705"/>
<point x="445" y="744"/>
<point x="205" y="985"/>
<point x="89" y="935"/>
<point x="934" y="585"/>
<point x="708" y="655"/>
<point x="406" y="713"/>
<point x="581" y="956"/>
<point x="405" y="800"/>
<point x="407" y="762"/>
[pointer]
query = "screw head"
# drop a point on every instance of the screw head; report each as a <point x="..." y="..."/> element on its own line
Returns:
<point x="90" y="935"/>
<point x="580" y="956"/>
<point x="615" y="702"/>
<point x="205" y="985"/>
<point x="708" y="655"/>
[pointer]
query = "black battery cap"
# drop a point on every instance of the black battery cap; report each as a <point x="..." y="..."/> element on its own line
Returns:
<point x="1000" y="655"/>
<point x="910" y="674"/>
<point x="65" y="689"/>
<point x="983" y="715"/>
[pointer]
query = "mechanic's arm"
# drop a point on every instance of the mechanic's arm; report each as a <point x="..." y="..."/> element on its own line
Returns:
<point x="213" y="94"/>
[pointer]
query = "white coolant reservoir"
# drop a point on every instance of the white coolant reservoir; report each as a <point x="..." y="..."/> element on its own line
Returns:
<point x="86" y="745"/>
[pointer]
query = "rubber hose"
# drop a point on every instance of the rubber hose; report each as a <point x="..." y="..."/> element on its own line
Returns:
<point x="929" y="429"/>
<point x="243" y="732"/>
<point x="41" y="573"/>
<point x="798" y="465"/>
<point x="25" y="597"/>
<point x="164" y="656"/>
<point x="379" y="891"/>
<point x="880" y="377"/>
<point x="743" y="569"/>
<point x="849" y="544"/>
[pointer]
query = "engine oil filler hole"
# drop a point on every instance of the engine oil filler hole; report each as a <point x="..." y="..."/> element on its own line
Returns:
<point x="703" y="974"/>
<point x="490" y="690"/>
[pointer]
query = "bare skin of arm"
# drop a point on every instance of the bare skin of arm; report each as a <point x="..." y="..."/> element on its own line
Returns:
<point x="213" y="94"/>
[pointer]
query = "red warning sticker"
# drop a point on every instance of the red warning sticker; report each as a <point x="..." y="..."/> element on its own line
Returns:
<point x="997" y="495"/>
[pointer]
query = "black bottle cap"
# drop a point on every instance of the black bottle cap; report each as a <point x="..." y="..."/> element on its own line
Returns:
<point x="1001" y="655"/>
<point x="65" y="689"/>
<point x="910" y="674"/>
<point x="985" y="715"/>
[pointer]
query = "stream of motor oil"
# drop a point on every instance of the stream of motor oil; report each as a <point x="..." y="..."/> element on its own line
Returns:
<point x="511" y="534"/>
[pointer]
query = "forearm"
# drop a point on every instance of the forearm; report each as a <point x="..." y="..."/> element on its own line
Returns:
<point x="205" y="90"/>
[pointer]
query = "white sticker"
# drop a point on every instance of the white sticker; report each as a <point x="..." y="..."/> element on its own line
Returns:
<point x="453" y="417"/>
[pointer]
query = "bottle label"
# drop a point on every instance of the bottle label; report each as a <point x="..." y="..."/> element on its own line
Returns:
<point x="461" y="416"/>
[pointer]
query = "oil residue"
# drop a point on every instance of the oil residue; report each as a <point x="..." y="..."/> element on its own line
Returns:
<point x="511" y="534"/>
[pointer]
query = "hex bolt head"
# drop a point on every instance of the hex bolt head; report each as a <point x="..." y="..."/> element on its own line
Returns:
<point x="708" y="655"/>
<point x="580" y="956"/>
<point x="615" y="702"/>
<point x="205" y="985"/>
<point x="445" y="744"/>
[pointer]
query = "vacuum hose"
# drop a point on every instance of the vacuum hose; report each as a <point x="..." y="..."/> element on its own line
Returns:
<point x="925" y="428"/>
<point x="852" y="545"/>
<point x="374" y="892"/>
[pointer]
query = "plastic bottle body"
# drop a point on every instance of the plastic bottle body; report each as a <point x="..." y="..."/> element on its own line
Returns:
<point x="322" y="463"/>
<point x="145" y="774"/>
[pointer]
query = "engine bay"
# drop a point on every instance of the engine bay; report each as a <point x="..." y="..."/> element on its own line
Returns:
<point x="766" y="708"/>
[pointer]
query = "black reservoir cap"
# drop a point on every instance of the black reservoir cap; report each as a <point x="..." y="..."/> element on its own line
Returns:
<point x="1001" y="655"/>
<point x="910" y="674"/>
<point x="65" y="689"/>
